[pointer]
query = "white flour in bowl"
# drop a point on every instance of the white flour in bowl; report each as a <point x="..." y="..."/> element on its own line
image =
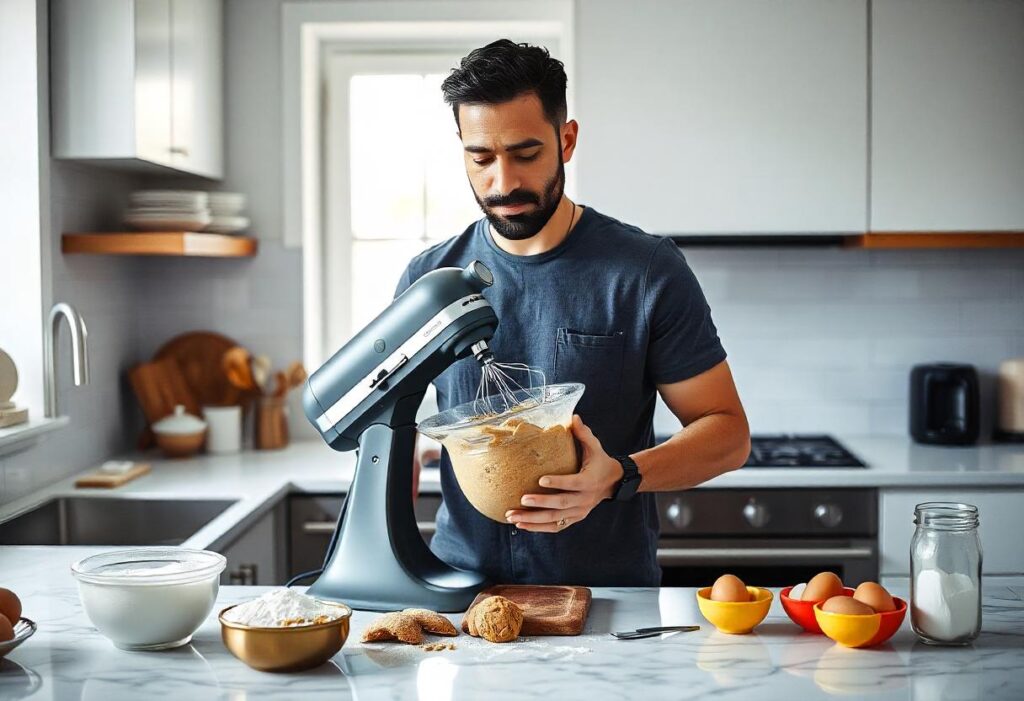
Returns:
<point x="280" y="608"/>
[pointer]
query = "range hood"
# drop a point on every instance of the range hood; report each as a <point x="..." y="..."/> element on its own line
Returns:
<point x="892" y="240"/>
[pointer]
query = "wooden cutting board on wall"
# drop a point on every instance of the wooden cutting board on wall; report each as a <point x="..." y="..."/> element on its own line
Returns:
<point x="547" y="610"/>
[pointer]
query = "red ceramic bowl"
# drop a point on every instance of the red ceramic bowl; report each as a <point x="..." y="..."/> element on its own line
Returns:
<point x="802" y="612"/>
<point x="861" y="631"/>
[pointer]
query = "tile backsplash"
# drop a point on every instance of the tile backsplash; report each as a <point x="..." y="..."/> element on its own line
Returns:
<point x="824" y="339"/>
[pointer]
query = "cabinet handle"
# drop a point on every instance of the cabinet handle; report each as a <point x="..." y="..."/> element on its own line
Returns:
<point x="179" y="150"/>
<point x="327" y="527"/>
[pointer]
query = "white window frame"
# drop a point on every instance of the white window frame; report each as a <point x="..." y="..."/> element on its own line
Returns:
<point x="311" y="30"/>
<point x="339" y="238"/>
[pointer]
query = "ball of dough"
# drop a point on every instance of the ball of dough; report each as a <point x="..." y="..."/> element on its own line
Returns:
<point x="498" y="619"/>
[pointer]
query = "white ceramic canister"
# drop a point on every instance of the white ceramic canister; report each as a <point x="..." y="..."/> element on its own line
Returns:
<point x="224" y="429"/>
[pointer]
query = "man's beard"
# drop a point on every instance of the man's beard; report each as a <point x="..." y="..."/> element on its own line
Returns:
<point x="518" y="227"/>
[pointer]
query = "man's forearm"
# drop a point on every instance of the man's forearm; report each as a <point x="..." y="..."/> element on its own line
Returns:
<point x="706" y="448"/>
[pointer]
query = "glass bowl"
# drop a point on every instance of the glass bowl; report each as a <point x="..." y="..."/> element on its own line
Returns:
<point x="149" y="598"/>
<point x="497" y="458"/>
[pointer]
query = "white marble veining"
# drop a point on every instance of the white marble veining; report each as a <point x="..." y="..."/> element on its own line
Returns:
<point x="68" y="659"/>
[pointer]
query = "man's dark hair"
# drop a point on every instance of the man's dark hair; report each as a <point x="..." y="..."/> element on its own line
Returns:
<point x="504" y="70"/>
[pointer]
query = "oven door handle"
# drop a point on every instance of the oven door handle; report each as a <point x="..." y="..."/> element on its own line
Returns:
<point x="327" y="527"/>
<point x="679" y="556"/>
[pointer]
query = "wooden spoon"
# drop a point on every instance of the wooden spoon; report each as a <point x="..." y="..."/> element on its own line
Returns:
<point x="259" y="365"/>
<point x="236" y="366"/>
<point x="296" y="374"/>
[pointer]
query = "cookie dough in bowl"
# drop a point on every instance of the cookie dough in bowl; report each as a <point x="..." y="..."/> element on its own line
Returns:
<point x="499" y="458"/>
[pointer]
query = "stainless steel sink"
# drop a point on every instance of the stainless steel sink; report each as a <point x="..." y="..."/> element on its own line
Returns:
<point x="104" y="521"/>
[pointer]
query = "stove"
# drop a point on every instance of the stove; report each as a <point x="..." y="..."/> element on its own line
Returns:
<point x="797" y="450"/>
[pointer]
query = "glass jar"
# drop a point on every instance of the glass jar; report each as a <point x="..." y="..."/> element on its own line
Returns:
<point x="945" y="573"/>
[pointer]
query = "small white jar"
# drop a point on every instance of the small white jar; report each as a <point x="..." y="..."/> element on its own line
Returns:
<point x="149" y="598"/>
<point x="224" y="429"/>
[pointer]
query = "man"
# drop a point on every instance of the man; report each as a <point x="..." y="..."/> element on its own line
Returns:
<point x="586" y="299"/>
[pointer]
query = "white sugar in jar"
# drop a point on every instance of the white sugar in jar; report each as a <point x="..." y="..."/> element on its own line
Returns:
<point x="149" y="598"/>
<point x="945" y="574"/>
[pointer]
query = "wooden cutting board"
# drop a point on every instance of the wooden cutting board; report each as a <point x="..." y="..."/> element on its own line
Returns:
<point x="110" y="480"/>
<point x="200" y="356"/>
<point x="547" y="610"/>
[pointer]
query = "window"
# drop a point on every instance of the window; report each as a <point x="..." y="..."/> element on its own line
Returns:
<point x="395" y="181"/>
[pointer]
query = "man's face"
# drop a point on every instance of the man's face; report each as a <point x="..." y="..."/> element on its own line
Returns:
<point x="515" y="163"/>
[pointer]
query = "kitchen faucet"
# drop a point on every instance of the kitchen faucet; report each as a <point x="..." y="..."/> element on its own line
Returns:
<point x="79" y="352"/>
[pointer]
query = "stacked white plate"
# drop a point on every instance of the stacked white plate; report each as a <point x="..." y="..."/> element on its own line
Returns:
<point x="168" y="210"/>
<point x="187" y="210"/>
<point x="226" y="212"/>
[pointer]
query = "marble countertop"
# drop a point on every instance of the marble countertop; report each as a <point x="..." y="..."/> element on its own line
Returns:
<point x="256" y="480"/>
<point x="68" y="659"/>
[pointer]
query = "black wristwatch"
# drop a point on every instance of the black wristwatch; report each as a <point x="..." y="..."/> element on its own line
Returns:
<point x="630" y="481"/>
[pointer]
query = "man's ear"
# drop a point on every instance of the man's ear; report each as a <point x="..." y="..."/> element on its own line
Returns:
<point x="568" y="133"/>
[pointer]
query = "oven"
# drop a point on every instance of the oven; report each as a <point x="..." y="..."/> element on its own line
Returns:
<point x="767" y="537"/>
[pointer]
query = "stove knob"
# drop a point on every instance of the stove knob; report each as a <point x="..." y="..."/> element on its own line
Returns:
<point x="679" y="514"/>
<point x="756" y="514"/>
<point x="828" y="515"/>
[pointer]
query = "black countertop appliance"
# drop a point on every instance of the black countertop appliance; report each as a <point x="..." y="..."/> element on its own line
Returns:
<point x="944" y="404"/>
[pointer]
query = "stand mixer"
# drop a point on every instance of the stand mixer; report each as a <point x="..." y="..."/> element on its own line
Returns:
<point x="366" y="397"/>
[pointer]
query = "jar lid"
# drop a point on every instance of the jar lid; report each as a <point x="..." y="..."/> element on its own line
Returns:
<point x="179" y="422"/>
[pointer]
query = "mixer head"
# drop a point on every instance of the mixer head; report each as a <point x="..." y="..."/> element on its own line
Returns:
<point x="381" y="374"/>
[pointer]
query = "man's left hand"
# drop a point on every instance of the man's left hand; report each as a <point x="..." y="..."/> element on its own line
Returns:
<point x="580" y="492"/>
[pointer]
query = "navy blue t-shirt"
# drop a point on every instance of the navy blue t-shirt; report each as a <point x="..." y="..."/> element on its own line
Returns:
<point x="616" y="309"/>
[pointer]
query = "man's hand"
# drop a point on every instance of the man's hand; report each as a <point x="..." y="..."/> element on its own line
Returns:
<point x="581" y="492"/>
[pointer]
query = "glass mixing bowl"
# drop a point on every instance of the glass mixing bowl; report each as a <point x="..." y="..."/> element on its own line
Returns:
<point x="498" y="458"/>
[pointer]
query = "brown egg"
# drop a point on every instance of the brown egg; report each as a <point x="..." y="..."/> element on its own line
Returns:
<point x="10" y="605"/>
<point x="821" y="587"/>
<point x="875" y="596"/>
<point x="848" y="605"/>
<point x="729" y="587"/>
<point x="6" y="629"/>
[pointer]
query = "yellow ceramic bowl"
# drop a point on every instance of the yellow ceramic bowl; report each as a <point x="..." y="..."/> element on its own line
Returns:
<point x="735" y="617"/>
<point x="861" y="630"/>
<point x="289" y="649"/>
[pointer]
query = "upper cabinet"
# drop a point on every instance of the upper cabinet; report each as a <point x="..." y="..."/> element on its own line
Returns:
<point x="947" y="106"/>
<point x="724" y="116"/>
<point x="139" y="82"/>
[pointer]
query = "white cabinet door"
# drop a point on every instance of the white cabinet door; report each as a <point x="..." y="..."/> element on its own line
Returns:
<point x="152" y="81"/>
<point x="947" y="105"/>
<point x="724" y="116"/>
<point x="1000" y="513"/>
<point x="197" y="86"/>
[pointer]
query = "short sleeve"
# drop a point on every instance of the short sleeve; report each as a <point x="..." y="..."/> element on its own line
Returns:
<point x="683" y="340"/>
<point x="403" y="282"/>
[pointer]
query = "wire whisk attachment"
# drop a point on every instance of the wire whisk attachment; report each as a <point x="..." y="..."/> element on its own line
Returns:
<point x="500" y="392"/>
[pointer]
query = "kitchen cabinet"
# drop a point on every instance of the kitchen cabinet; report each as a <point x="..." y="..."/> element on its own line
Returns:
<point x="138" y="83"/>
<point x="1001" y="523"/>
<point x="724" y="116"/>
<point x="258" y="555"/>
<point x="947" y="115"/>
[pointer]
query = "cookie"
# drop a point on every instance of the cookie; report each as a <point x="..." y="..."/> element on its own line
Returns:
<point x="394" y="626"/>
<point x="431" y="621"/>
<point x="498" y="619"/>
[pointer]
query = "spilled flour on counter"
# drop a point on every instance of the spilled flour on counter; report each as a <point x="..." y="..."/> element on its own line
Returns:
<point x="471" y="650"/>
<point x="281" y="608"/>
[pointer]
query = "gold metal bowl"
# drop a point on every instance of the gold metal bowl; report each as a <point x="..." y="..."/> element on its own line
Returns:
<point x="289" y="648"/>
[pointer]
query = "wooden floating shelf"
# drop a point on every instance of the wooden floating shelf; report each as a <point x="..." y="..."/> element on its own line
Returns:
<point x="938" y="239"/>
<point x="160" y="243"/>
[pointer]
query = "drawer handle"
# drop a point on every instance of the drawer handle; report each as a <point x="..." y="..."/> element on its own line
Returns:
<point x="327" y="527"/>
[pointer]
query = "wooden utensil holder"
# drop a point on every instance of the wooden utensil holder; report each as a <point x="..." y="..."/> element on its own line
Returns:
<point x="271" y="430"/>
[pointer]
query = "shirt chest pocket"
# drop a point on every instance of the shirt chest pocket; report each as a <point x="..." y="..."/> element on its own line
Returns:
<point x="593" y="359"/>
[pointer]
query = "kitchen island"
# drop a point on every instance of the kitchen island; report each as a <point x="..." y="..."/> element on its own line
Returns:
<point x="68" y="659"/>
